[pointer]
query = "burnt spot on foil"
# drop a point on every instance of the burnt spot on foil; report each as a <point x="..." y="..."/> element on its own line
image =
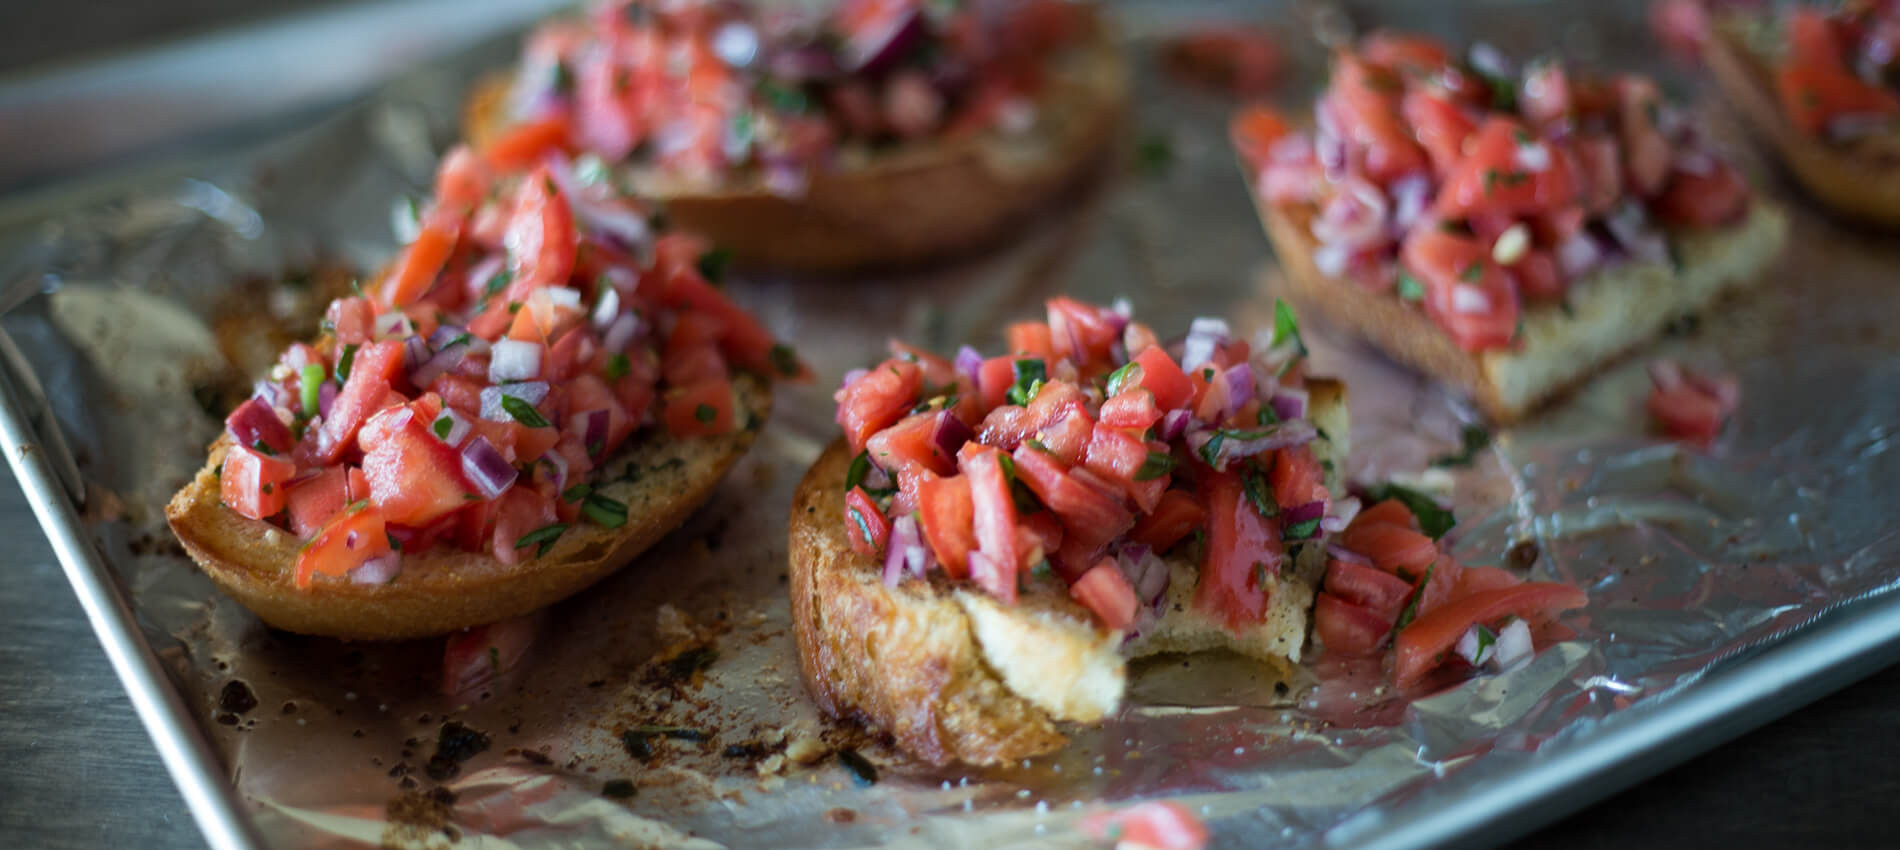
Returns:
<point x="455" y="744"/>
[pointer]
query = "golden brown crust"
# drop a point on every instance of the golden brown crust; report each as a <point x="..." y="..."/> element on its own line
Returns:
<point x="1861" y="181"/>
<point x="899" y="659"/>
<point x="661" y="479"/>
<point x="920" y="203"/>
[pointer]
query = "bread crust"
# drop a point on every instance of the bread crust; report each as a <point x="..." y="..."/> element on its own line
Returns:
<point x="919" y="203"/>
<point x="910" y="659"/>
<point x="1861" y="181"/>
<point x="1620" y="310"/>
<point x="442" y="590"/>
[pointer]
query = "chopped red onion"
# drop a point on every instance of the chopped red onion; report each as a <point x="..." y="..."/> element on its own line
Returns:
<point x="1490" y="61"/>
<point x="621" y="334"/>
<point x="948" y="433"/>
<point x="393" y="324"/>
<point x="514" y="360"/>
<point x="458" y="428"/>
<point x="1331" y="259"/>
<point x="1341" y="553"/>
<point x="1697" y="162"/>
<point x="1146" y="572"/>
<point x="1410" y="195"/>
<point x="531" y="392"/>
<point x="1204" y="335"/>
<point x="969" y="365"/>
<point x="478" y="277"/>
<point x="558" y="463"/>
<point x="486" y="468"/>
<point x="415" y="352"/>
<point x="1355" y="216"/>
<point x="1533" y="157"/>
<point x="445" y="334"/>
<point x="810" y="62"/>
<point x="1173" y="424"/>
<point x="1118" y="353"/>
<point x="255" y="421"/>
<point x="736" y="43"/>
<point x="1578" y="254"/>
<point x="1514" y="645"/>
<point x="1469" y="299"/>
<point x="897" y="554"/>
<point x="1303" y="513"/>
<point x="448" y="357"/>
<point x="381" y="569"/>
<point x="1240" y="388"/>
<point x="875" y="478"/>
<point x="609" y="217"/>
<point x="1629" y="227"/>
<point x="1340" y="516"/>
<point x="876" y="50"/>
<point x="1252" y="442"/>
<point x="594" y="426"/>
<point x="852" y="377"/>
<point x="326" y="396"/>
<point x="1666" y="374"/>
<point x="562" y="296"/>
<point x="1473" y="649"/>
<point x="784" y="176"/>
<point x="1289" y="402"/>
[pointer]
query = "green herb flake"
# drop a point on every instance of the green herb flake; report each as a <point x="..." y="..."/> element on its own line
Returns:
<point x="263" y="448"/>
<point x="344" y="363"/>
<point x="784" y="98"/>
<point x="1472" y="273"/>
<point x="860" y="467"/>
<point x="1302" y="530"/>
<point x="545" y="536"/>
<point x="1030" y="373"/>
<point x="1154" y="155"/>
<point x="1286" y="326"/>
<point x="1253" y="482"/>
<point x="1210" y="451"/>
<point x="498" y="282"/>
<point x="443" y="425"/>
<point x="705" y="413"/>
<point x="523" y="412"/>
<point x="576" y="493"/>
<point x="1473" y="439"/>
<point x="1485" y="639"/>
<point x="1156" y="465"/>
<point x="268" y="488"/>
<point x="604" y="512"/>
<point x="1122" y="378"/>
<point x="310" y="386"/>
<point x="1432" y="519"/>
<point x="713" y="263"/>
<point x="1411" y="608"/>
<point x="618" y="366"/>
<point x="619" y="789"/>
<point x="1409" y="287"/>
<point x="1490" y="180"/>
<point x="785" y="360"/>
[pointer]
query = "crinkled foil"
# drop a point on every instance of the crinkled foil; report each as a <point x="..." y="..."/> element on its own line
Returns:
<point x="1690" y="557"/>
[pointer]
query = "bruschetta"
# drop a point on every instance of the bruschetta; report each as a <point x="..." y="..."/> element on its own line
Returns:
<point x="977" y="556"/>
<point x="841" y="136"/>
<point x="1822" y="87"/>
<point x="541" y="385"/>
<point x="1505" y="230"/>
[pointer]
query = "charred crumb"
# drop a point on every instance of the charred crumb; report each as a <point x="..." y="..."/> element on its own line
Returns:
<point x="682" y="667"/>
<point x="290" y="707"/>
<point x="862" y="770"/>
<point x="399" y="771"/>
<point x="841" y="815"/>
<point x="1684" y="325"/>
<point x="637" y="745"/>
<point x="408" y="783"/>
<point x="442" y="795"/>
<point x="619" y="789"/>
<point x="597" y="683"/>
<point x="237" y="697"/>
<point x="535" y="757"/>
<point x="1522" y="555"/>
<point x="749" y="751"/>
<point x="227" y="718"/>
<point x="455" y="744"/>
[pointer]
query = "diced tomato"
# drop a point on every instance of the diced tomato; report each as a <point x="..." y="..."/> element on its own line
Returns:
<point x="1082" y="332"/>
<point x="373" y="369"/>
<point x="1442" y="126"/>
<point x="541" y="237"/>
<point x="1173" y="518"/>
<point x="995" y="378"/>
<point x="1133" y="408"/>
<point x="1391" y="546"/>
<point x="1157" y="824"/>
<point x="1243" y="548"/>
<point x="1475" y="579"/>
<point x="252" y="483"/>
<point x="421" y="263"/>
<point x="1365" y="98"/>
<point x="1388" y="512"/>
<point x="1600" y="171"/>
<point x="586" y="393"/>
<point x="939" y="373"/>
<point x="947" y="515"/>
<point x="314" y="500"/>
<point x="864" y="524"/>
<point x="1089" y="516"/>
<point x="1297" y="477"/>
<point x="1031" y="339"/>
<point x="1687" y="412"/>
<point x="876" y="399"/>
<point x="700" y="410"/>
<point x="518" y="513"/>
<point x="1440" y="586"/>
<point x="911" y="443"/>
<point x="1491" y="176"/>
<point x="1423" y="642"/>
<point x="473" y="658"/>
<point x="1379" y="592"/>
<point x="1704" y="200"/>
<point x="353" y="537"/>
<point x="461" y="181"/>
<point x="1645" y="149"/>
<point x="522" y="146"/>
<point x="744" y="339"/>
<point x="414" y="478"/>
<point x="1038" y="536"/>
<point x="1348" y="629"/>
<point x="351" y="320"/>
<point x="1106" y="592"/>
<point x="1255" y="131"/>
<point x="1538" y="277"/>
<point x="1118" y="456"/>
<point x="1812" y="38"/>
<point x="1544" y="99"/>
<point x="1068" y="436"/>
<point x="1466" y="293"/>
<point x="255" y="423"/>
<point x="994" y="518"/>
<point x="1162" y="377"/>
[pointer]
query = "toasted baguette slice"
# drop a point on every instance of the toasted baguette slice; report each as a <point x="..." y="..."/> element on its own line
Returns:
<point x="1610" y="312"/>
<point x="917" y="203"/>
<point x="662" y="480"/>
<point x="955" y="676"/>
<point x="1860" y="180"/>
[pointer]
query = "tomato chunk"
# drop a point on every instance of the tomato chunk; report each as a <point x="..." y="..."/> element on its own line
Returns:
<point x="373" y="368"/>
<point x="1243" y="549"/>
<point x="313" y="501"/>
<point x="252" y="483"/>
<point x="414" y="478"/>
<point x="1422" y="643"/>
<point x="1173" y="518"/>
<point x="700" y="410"/>
<point x="1106" y="592"/>
<point x="1346" y="628"/>
<point x="865" y="524"/>
<point x="876" y="399"/>
<point x="995" y="563"/>
<point x="912" y="443"/>
<point x="1089" y="516"/>
<point x="1158" y="824"/>
<point x="1162" y="378"/>
<point x="541" y="237"/>
<point x="353" y="537"/>
<point x="1379" y="592"/>
<point x="948" y="517"/>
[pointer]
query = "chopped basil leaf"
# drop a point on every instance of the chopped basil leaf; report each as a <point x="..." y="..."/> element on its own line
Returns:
<point x="1434" y="520"/>
<point x="523" y="412"/>
<point x="1302" y="530"/>
<point x="1409" y="287"/>
<point x="1286" y="326"/>
<point x="1036" y="444"/>
<point x="1030" y="373"/>
<point x="563" y="78"/>
<point x="705" y="413"/>
<point x="268" y="488"/>
<point x="1411" y="607"/>
<point x="576" y="492"/>
<point x="497" y="283"/>
<point x="443" y="426"/>
<point x="860" y="467"/>
<point x="1485" y="640"/>
<point x="263" y="448"/>
<point x="310" y="386"/>
<point x="1120" y="378"/>
<point x="604" y="511"/>
<point x="394" y="544"/>
<point x="1042" y="569"/>
<point x="545" y="535"/>
<point x="344" y="363"/>
<point x="784" y="98"/>
<point x="514" y="307"/>
<point x="1472" y="273"/>
<point x="618" y="366"/>
<point x="1025" y="498"/>
<point x="1253" y="482"/>
<point x="713" y="263"/>
<point x="785" y="360"/>
<point x="1474" y="439"/>
<point x="1156" y="465"/>
<point x="1210" y="451"/>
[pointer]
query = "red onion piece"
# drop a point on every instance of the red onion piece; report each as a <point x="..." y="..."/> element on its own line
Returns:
<point x="558" y="463"/>
<point x="1340" y="516"/>
<point x="1355" y="217"/>
<point x="531" y="392"/>
<point x="1240" y="388"/>
<point x="875" y="478"/>
<point x="1341" y="553"/>
<point x="381" y="569"/>
<point x="326" y="396"/>
<point x="904" y="537"/>
<point x="1473" y="650"/>
<point x="1697" y="162"/>
<point x="1255" y="441"/>
<point x="969" y="365"/>
<point x="514" y="360"/>
<point x="393" y="324"/>
<point x="439" y="364"/>
<point x="1665" y="374"/>
<point x="852" y="377"/>
<point x="1578" y="255"/>
<point x="458" y="429"/>
<point x="800" y="64"/>
<point x="949" y="433"/>
<point x="1303" y="513"/>
<point x="1204" y="335"/>
<point x="1514" y="645"/>
<point x="1856" y="125"/>
<point x="878" y="49"/>
<point x="1410" y="194"/>
<point x="594" y="431"/>
<point x="621" y="333"/>
<point x="415" y="352"/>
<point x="255" y="422"/>
<point x="1289" y="402"/>
<point x="485" y="467"/>
<point x="1174" y="423"/>
<point x="607" y="308"/>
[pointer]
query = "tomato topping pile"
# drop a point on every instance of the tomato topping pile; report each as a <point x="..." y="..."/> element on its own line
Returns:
<point x="538" y="320"/>
<point x="703" y="89"/>
<point x="1688" y="404"/>
<point x="1390" y="588"/>
<point x="1838" y="73"/>
<point x="1084" y="453"/>
<point x="1153" y="825"/>
<point x="1470" y="186"/>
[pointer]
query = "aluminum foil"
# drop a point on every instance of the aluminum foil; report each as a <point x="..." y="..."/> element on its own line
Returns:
<point x="152" y="304"/>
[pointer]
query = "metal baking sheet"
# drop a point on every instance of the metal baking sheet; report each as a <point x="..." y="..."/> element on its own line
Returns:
<point x="1728" y="585"/>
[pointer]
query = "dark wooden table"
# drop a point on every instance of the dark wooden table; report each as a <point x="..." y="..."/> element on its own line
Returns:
<point x="79" y="771"/>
